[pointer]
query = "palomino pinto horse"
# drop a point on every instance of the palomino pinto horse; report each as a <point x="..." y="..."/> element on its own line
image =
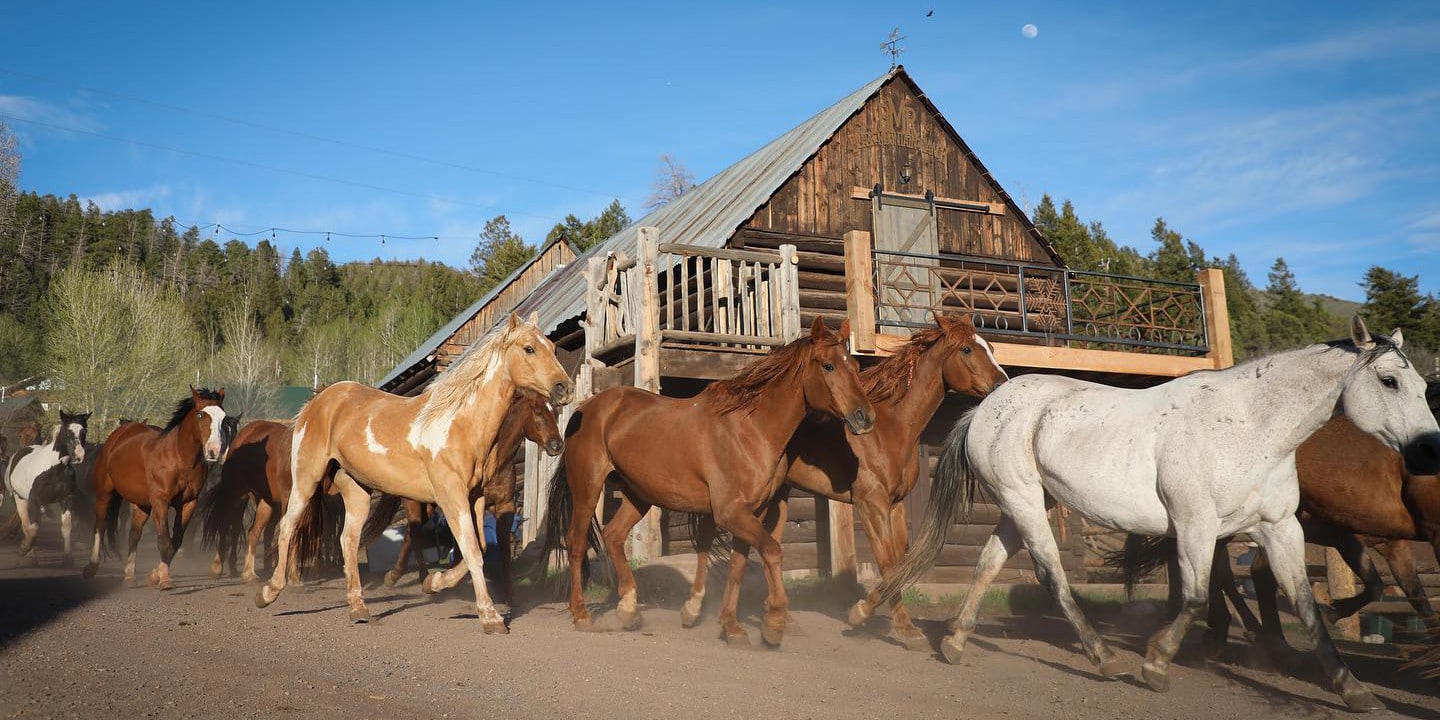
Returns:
<point x="716" y="453"/>
<point x="40" y="475"/>
<point x="530" y="417"/>
<point x="1201" y="457"/>
<point x="158" y="471"/>
<point x="431" y="448"/>
<point x="881" y="466"/>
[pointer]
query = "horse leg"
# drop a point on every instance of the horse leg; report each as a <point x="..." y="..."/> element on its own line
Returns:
<point x="730" y="630"/>
<point x="1195" y="543"/>
<point x="1284" y="543"/>
<point x="306" y="474"/>
<point x="1003" y="543"/>
<point x="138" y="518"/>
<point x="503" y="539"/>
<point x="1272" y="642"/>
<point x="901" y="626"/>
<point x="67" y="524"/>
<point x="357" y="507"/>
<point x="263" y="511"/>
<point x="182" y="522"/>
<point x="412" y="530"/>
<point x="1357" y="557"/>
<point x="1401" y="559"/>
<point x="104" y="495"/>
<point x="586" y="485"/>
<point x="28" y="530"/>
<point x="456" y="506"/>
<point x="160" y="518"/>
<point x="704" y="539"/>
<point x="1218" y="620"/>
<point x="873" y="504"/>
<point x="747" y="528"/>
<point x="614" y="535"/>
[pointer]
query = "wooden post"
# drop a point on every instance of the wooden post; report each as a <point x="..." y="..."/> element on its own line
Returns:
<point x="860" y="290"/>
<point x="842" y="538"/>
<point x="1341" y="584"/>
<point x="644" y="286"/>
<point x="535" y="496"/>
<point x="790" y="329"/>
<point x="1217" y="317"/>
<point x="595" y="312"/>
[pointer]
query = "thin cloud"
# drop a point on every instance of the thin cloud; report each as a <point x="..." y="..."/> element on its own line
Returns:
<point x="130" y="199"/>
<point x="41" y="111"/>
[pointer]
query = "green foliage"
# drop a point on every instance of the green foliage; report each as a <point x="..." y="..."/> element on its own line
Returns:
<point x="589" y="233"/>
<point x="1393" y="301"/>
<point x="499" y="253"/>
<point x="1084" y="246"/>
<point x="1176" y="259"/>
<point x="1292" y="319"/>
<point x="1248" y="333"/>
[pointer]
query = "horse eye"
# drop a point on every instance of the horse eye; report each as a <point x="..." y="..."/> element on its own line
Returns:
<point x="1389" y="381"/>
<point x="966" y="350"/>
<point x="828" y="367"/>
<point x="529" y="349"/>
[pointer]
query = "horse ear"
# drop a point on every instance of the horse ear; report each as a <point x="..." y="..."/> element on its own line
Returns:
<point x="513" y="323"/>
<point x="534" y="318"/>
<point x="1358" y="334"/>
<point x="220" y="395"/>
<point x="1398" y="337"/>
<point x="845" y="329"/>
<point x="818" y="329"/>
<point x="942" y="322"/>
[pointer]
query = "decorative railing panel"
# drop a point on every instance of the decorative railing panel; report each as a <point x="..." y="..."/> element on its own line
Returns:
<point x="1019" y="299"/>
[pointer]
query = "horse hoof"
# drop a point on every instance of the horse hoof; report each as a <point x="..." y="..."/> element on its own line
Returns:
<point x="497" y="627"/>
<point x="250" y="577"/>
<point x="391" y="578"/>
<point x="1112" y="667"/>
<point x="89" y="572"/>
<point x="859" y="613"/>
<point x="263" y="598"/>
<point x="1361" y="699"/>
<point x="913" y="639"/>
<point x="29" y="560"/>
<point x="772" y="634"/>
<point x="630" y="620"/>
<point x="431" y="583"/>
<point x="359" y="616"/>
<point x="736" y="639"/>
<point x="583" y="625"/>
<point x="687" y="618"/>
<point x="165" y="585"/>
<point x="952" y="650"/>
<point x="1158" y="680"/>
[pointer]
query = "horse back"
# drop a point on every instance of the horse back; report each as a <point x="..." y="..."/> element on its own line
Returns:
<point x="259" y="461"/>
<point x="1350" y="478"/>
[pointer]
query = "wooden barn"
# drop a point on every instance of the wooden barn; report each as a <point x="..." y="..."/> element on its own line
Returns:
<point x="874" y="210"/>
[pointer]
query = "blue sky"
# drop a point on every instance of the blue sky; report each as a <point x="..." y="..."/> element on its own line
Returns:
<point x="1305" y="130"/>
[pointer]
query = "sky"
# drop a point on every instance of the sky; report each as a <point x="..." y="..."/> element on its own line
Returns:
<point x="1308" y="130"/>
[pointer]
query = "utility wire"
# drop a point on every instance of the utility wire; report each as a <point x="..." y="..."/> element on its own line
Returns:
<point x="303" y="134"/>
<point x="263" y="166"/>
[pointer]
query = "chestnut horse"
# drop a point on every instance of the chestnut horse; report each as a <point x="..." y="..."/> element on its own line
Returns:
<point x="1350" y="484"/>
<point x="880" y="467"/>
<point x="716" y="454"/>
<point x="530" y="417"/>
<point x="158" y="470"/>
<point x="431" y="448"/>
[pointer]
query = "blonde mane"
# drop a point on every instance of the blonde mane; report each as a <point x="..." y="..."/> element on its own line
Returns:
<point x="449" y="391"/>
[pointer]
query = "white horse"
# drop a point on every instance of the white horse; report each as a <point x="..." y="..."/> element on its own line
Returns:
<point x="1200" y="457"/>
<point x="44" y="474"/>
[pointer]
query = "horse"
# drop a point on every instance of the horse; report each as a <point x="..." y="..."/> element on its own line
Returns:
<point x="530" y="417"/>
<point x="40" y="475"/>
<point x="159" y="471"/>
<point x="877" y="470"/>
<point x="429" y="448"/>
<point x="1200" y="457"/>
<point x="716" y="453"/>
<point x="1354" y="492"/>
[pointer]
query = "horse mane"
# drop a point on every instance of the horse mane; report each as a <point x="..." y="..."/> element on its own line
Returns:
<point x="1382" y="344"/>
<point x="184" y="407"/>
<point x="452" y="388"/>
<point x="742" y="392"/>
<point x="893" y="375"/>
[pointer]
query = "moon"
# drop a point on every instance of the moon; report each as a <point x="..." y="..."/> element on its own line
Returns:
<point x="1029" y="31"/>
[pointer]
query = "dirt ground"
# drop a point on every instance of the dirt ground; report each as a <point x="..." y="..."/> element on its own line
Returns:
<point x="71" y="648"/>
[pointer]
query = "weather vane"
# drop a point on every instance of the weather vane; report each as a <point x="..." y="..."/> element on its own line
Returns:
<point x="892" y="47"/>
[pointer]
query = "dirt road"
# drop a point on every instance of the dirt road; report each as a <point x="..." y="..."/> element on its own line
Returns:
<point x="71" y="648"/>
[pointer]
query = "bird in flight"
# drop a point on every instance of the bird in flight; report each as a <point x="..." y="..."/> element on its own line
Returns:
<point x="928" y="14"/>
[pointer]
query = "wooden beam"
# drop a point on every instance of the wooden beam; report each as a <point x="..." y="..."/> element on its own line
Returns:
<point x="703" y="364"/>
<point x="842" y="539"/>
<point x="645" y="285"/>
<point x="790" y="328"/>
<point x="1340" y="583"/>
<point x="1067" y="358"/>
<point x="989" y="208"/>
<point x="1217" y="317"/>
<point x="860" y="290"/>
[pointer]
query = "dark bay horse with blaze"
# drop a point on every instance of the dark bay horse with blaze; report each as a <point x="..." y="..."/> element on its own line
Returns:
<point x="159" y="471"/>
<point x="431" y="448"/>
<point x="877" y="470"/>
<point x="531" y="417"/>
<point x="715" y="454"/>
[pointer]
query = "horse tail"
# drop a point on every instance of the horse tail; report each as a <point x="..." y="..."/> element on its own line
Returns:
<point x="111" y="536"/>
<point x="310" y="536"/>
<point x="720" y="542"/>
<point x="222" y="513"/>
<point x="560" y="508"/>
<point x="1142" y="555"/>
<point x="382" y="515"/>
<point x="952" y="494"/>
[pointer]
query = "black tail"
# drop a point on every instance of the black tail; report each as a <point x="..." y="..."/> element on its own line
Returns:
<point x="1141" y="556"/>
<point x="316" y="541"/>
<point x="559" y="509"/>
<point x="111" y="537"/>
<point x="222" y="514"/>
<point x="719" y="546"/>
<point x="382" y="515"/>
<point x="952" y="493"/>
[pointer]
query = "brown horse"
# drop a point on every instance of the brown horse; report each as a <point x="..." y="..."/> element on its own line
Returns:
<point x="256" y="467"/>
<point x="715" y="454"/>
<point x="158" y="470"/>
<point x="431" y="448"/>
<point x="880" y="467"/>
<point x="1354" y="491"/>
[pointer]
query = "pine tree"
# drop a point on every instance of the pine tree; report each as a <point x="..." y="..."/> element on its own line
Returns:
<point x="1291" y="319"/>
<point x="1393" y="301"/>
<point x="585" y="234"/>
<point x="499" y="253"/>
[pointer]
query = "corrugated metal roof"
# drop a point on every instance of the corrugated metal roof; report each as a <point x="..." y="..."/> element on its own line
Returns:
<point x="710" y="213"/>
<point x="433" y="342"/>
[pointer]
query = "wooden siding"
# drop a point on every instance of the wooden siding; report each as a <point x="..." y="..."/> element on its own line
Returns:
<point x="894" y="128"/>
<point x="556" y="254"/>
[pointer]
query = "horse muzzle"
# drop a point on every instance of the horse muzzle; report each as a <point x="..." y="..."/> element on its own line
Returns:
<point x="860" y="422"/>
<point x="1422" y="455"/>
<point x="555" y="447"/>
<point x="211" y="454"/>
<point x="561" y="393"/>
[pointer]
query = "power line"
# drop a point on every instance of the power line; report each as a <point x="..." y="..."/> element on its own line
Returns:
<point x="264" y="166"/>
<point x="305" y="135"/>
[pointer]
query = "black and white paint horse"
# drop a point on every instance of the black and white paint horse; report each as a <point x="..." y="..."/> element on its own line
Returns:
<point x="45" y="474"/>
